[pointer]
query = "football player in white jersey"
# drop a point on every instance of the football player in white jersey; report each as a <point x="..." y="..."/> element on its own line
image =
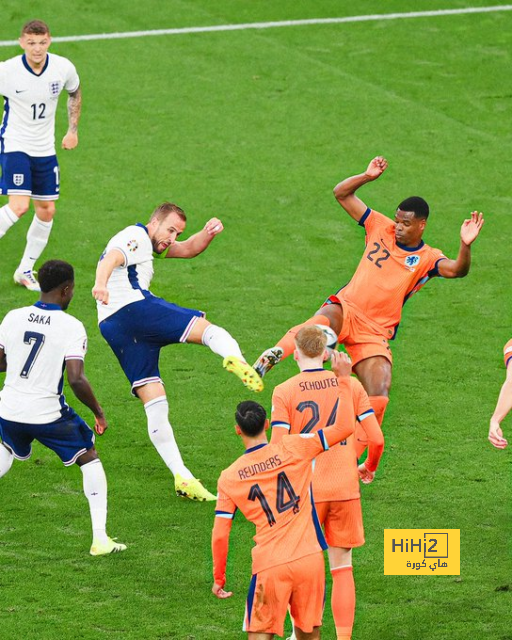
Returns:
<point x="36" y="344"/>
<point x="31" y="84"/>
<point x="136" y="324"/>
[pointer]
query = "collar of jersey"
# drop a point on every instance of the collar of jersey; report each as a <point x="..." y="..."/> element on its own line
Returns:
<point x="258" y="446"/>
<point x="29" y="68"/>
<point x="312" y="370"/>
<point x="49" y="306"/>
<point x="143" y="226"/>
<point x="402" y="246"/>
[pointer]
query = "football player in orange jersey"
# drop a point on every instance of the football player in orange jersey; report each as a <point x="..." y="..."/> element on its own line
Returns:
<point x="396" y="263"/>
<point x="504" y="404"/>
<point x="271" y="485"/>
<point x="304" y="404"/>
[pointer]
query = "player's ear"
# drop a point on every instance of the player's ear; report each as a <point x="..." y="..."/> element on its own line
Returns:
<point x="267" y="425"/>
<point x="238" y="431"/>
<point x="295" y="354"/>
<point x="326" y="356"/>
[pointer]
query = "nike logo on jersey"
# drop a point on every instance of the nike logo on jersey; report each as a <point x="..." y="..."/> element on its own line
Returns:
<point x="21" y="90"/>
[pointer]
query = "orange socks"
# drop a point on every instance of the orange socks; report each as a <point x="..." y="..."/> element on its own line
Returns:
<point x="343" y="601"/>
<point x="287" y="342"/>
<point x="379" y="404"/>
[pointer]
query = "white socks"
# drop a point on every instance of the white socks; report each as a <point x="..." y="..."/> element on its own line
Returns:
<point x="221" y="342"/>
<point x="7" y="219"/>
<point x="37" y="239"/>
<point x="6" y="459"/>
<point x="95" y="490"/>
<point x="162" y="436"/>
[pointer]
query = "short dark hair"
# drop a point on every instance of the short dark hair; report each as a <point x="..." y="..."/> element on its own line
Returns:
<point x="36" y="28"/>
<point x="417" y="205"/>
<point x="55" y="273"/>
<point x="250" y="417"/>
<point x="166" y="208"/>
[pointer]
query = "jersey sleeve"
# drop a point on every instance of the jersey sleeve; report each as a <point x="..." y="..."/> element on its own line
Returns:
<point x="280" y="419"/>
<point x="306" y="446"/>
<point x="77" y="347"/>
<point x="372" y="221"/>
<point x="3" y="78"/>
<point x="507" y="351"/>
<point x="132" y="242"/>
<point x="435" y="258"/>
<point x="72" y="81"/>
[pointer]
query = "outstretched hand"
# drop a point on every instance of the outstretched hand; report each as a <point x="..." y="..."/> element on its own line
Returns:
<point x="219" y="592"/>
<point x="213" y="227"/>
<point x="471" y="228"/>
<point x="496" y="435"/>
<point x="341" y="364"/>
<point x="376" y="167"/>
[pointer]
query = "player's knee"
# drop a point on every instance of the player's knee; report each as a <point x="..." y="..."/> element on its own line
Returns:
<point x="19" y="207"/>
<point x="87" y="457"/>
<point x="45" y="211"/>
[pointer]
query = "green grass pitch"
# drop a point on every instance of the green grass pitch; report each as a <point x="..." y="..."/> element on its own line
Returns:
<point x="256" y="127"/>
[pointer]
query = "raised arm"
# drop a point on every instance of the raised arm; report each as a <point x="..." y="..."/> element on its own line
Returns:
<point x="106" y="265"/>
<point x="503" y="407"/>
<point x="70" y="140"/>
<point x="196" y="244"/>
<point x="83" y="391"/>
<point x="345" y="417"/>
<point x="468" y="234"/>
<point x="345" y="190"/>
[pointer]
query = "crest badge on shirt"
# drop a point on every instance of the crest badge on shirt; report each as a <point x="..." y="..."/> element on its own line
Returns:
<point x="132" y="245"/>
<point x="55" y="87"/>
<point x="18" y="179"/>
<point x="412" y="261"/>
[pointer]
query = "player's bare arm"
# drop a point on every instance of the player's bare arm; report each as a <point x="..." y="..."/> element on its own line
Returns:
<point x="83" y="391"/>
<point x="503" y="408"/>
<point x="106" y="265"/>
<point x="344" y="192"/>
<point x="70" y="140"/>
<point x="3" y="361"/>
<point x="469" y="232"/>
<point x="196" y="244"/>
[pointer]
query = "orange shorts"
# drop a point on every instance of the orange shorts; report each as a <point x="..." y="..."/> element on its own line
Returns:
<point x="360" y="337"/>
<point x="299" y="584"/>
<point x="342" y="521"/>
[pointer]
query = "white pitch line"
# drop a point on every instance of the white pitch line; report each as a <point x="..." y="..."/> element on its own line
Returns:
<point x="272" y="25"/>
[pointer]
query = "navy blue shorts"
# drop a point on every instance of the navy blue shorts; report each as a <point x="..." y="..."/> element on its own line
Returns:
<point x="68" y="436"/>
<point x="25" y="175"/>
<point x="137" y="332"/>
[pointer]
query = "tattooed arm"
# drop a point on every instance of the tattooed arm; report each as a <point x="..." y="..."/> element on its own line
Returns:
<point x="70" y="140"/>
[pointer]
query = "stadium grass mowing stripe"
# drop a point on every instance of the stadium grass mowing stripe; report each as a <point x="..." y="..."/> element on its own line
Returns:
<point x="272" y="25"/>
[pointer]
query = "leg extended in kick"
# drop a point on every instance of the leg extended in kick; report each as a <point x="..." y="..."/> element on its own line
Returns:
<point x="330" y="315"/>
<point x="223" y="344"/>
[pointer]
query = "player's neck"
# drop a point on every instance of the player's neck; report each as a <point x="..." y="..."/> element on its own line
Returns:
<point x="250" y="443"/>
<point x="306" y="364"/>
<point x="37" y="67"/>
<point x="48" y="298"/>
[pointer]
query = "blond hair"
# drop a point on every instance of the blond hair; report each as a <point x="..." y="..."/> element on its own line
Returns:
<point x="311" y="341"/>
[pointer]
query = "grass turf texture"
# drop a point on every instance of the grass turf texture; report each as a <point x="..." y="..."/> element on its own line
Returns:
<point x="256" y="128"/>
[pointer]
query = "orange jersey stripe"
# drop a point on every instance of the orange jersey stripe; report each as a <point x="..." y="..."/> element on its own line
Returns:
<point x="388" y="273"/>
